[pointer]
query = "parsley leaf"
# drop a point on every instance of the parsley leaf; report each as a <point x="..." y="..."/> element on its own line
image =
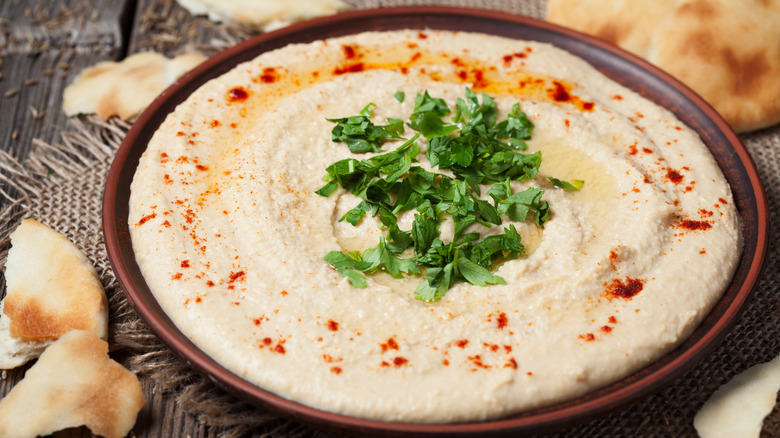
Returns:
<point x="361" y="134"/>
<point x="427" y="116"/>
<point x="425" y="229"/>
<point x="327" y="189"/>
<point x="381" y="257"/>
<point x="517" y="206"/>
<point x="475" y="116"/>
<point x="356" y="214"/>
<point x="574" y="184"/>
<point x="399" y="240"/>
<point x="347" y="266"/>
<point x="475" y="274"/>
<point x="437" y="283"/>
<point x="516" y="128"/>
<point x="506" y="245"/>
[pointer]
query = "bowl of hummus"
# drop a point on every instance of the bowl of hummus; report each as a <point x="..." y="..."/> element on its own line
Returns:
<point x="434" y="221"/>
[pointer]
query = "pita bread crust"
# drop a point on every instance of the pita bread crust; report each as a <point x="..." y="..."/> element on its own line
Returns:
<point x="125" y="88"/>
<point x="727" y="51"/>
<point x="633" y="30"/>
<point x="74" y="383"/>
<point x="52" y="289"/>
<point x="738" y="408"/>
<point x="265" y="15"/>
<point x="15" y="351"/>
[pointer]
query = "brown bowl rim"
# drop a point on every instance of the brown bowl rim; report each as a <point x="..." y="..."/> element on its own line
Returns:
<point x="730" y="154"/>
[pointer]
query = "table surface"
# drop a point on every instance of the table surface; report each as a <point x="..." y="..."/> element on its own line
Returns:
<point x="44" y="44"/>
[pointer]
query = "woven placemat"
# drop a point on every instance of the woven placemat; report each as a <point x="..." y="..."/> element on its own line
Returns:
<point x="62" y="185"/>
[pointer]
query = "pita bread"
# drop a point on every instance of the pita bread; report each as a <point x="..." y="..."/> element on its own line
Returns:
<point x="125" y="88"/>
<point x="265" y="15"/>
<point x="15" y="352"/>
<point x="52" y="289"/>
<point x="739" y="407"/>
<point x="727" y="51"/>
<point x="74" y="383"/>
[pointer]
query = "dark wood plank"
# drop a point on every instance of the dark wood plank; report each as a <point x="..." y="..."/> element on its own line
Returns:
<point x="160" y="416"/>
<point x="166" y="27"/>
<point x="44" y="46"/>
<point x="39" y="26"/>
<point x="31" y="95"/>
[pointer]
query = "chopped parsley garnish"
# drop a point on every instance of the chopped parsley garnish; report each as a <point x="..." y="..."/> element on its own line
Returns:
<point x="361" y="134"/>
<point x="477" y="150"/>
<point x="427" y="117"/>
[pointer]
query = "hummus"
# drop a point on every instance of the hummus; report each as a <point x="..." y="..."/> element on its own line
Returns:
<point x="230" y="235"/>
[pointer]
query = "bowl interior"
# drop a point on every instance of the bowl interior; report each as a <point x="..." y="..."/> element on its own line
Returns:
<point x="626" y="69"/>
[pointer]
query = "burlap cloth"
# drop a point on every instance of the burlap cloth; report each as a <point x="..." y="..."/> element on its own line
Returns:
<point x="62" y="185"/>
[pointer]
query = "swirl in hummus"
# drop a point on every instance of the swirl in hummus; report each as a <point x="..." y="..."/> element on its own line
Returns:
<point x="230" y="235"/>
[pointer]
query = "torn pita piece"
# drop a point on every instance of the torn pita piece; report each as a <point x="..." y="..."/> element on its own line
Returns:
<point x="52" y="289"/>
<point x="125" y="88"/>
<point x="727" y="51"/>
<point x="74" y="383"/>
<point x="265" y="15"/>
<point x="739" y="407"/>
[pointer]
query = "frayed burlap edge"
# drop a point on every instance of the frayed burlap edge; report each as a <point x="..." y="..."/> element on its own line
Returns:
<point x="51" y="165"/>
